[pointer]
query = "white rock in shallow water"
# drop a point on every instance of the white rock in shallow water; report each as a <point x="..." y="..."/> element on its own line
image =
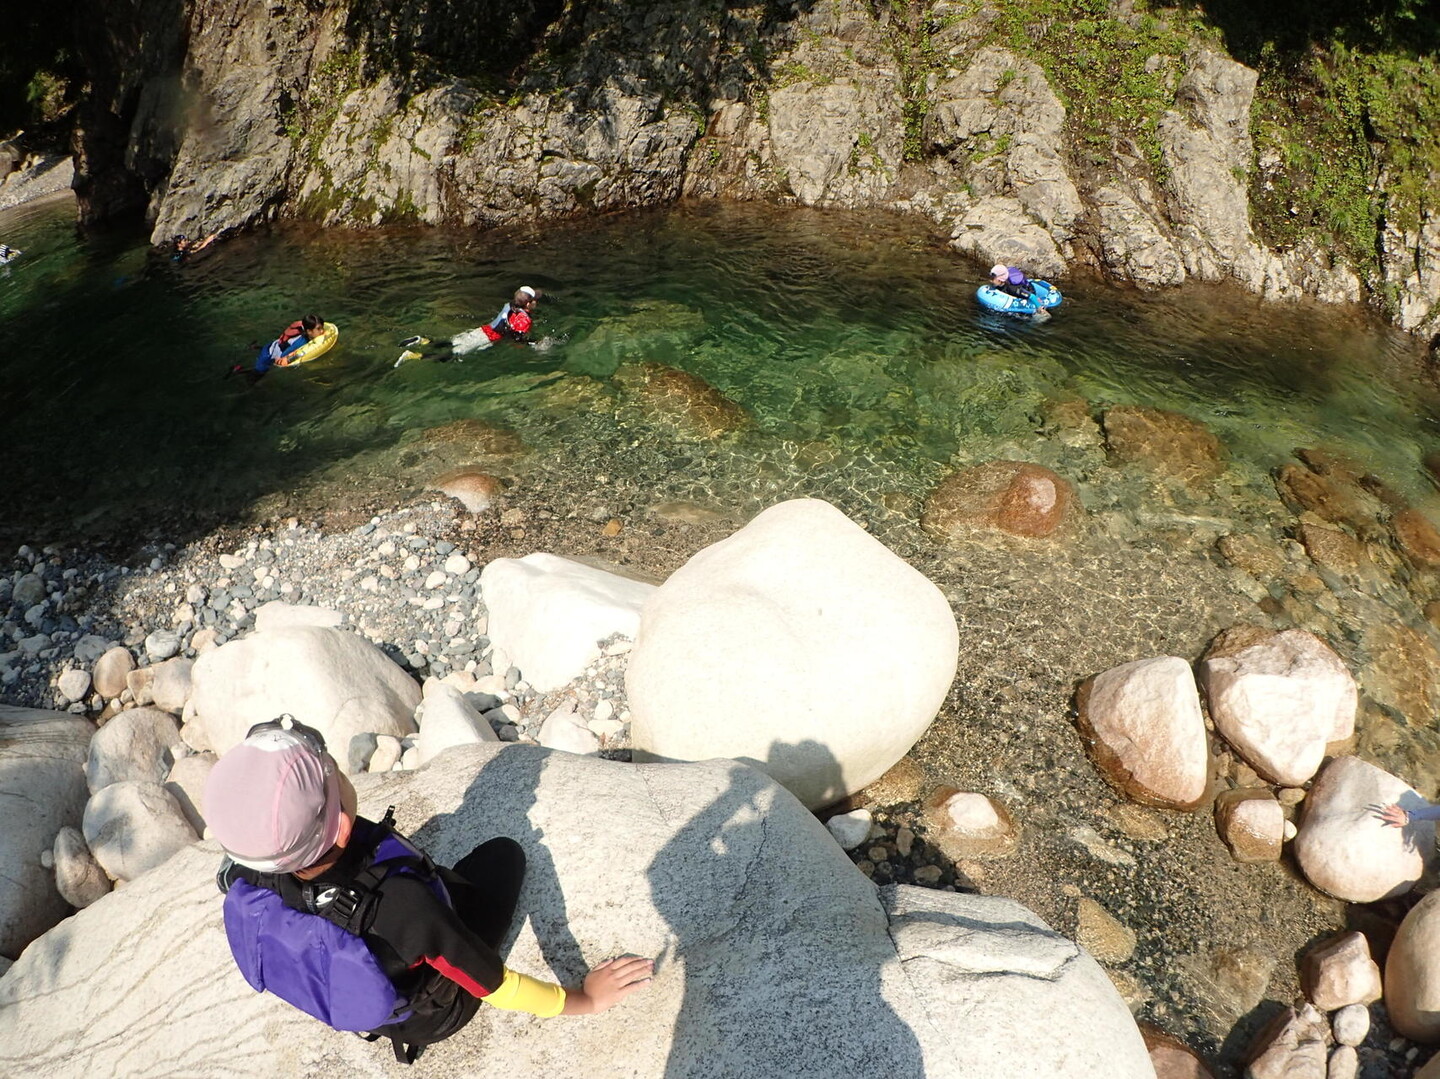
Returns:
<point x="1278" y="702"/>
<point x="964" y="824"/>
<point x="134" y="745"/>
<point x="78" y="876"/>
<point x="1143" y="724"/>
<point x="850" y="829"/>
<point x="446" y="719"/>
<point x="1342" y="846"/>
<point x="792" y="599"/>
<point x="548" y="614"/>
<point x="132" y="827"/>
<point x="710" y="861"/>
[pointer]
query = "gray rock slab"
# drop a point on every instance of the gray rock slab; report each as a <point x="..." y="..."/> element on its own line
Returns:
<point x="775" y="956"/>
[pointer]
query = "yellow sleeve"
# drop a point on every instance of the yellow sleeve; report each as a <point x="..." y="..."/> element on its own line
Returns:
<point x="521" y="993"/>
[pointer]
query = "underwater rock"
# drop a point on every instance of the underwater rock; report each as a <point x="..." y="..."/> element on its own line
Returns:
<point x="1334" y="496"/>
<point x="1169" y="444"/>
<point x="1009" y="496"/>
<point x="681" y="399"/>
<point x="476" y="437"/>
<point x="476" y="490"/>
<point x="1102" y="935"/>
<point x="964" y="824"/>
<point x="1141" y="722"/>
<point x="1256" y="555"/>
<point x="1172" y="1058"/>
<point x="1417" y="539"/>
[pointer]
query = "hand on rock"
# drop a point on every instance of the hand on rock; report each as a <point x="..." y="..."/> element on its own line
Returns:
<point x="609" y="983"/>
<point x="1394" y="816"/>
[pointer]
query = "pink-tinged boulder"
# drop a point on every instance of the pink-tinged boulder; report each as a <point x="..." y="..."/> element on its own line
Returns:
<point x="1007" y="496"/>
<point x="1142" y="724"/>
<point x="476" y="490"/>
<point x="1412" y="976"/>
<point x="1172" y="1058"/>
<point x="1339" y="973"/>
<point x="1252" y="824"/>
<point x="1344" y="848"/>
<point x="1292" y="1046"/>
<point x="1279" y="701"/>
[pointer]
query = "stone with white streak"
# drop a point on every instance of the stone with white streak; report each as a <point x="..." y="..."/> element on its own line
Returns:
<point x="1342" y="846"/>
<point x="446" y="719"/>
<point x="711" y="864"/>
<point x="1143" y="725"/>
<point x="548" y="614"/>
<point x="1280" y="701"/>
<point x="134" y="745"/>
<point x="792" y="599"/>
<point x="42" y="778"/>
<point x="329" y="679"/>
<point x="131" y="827"/>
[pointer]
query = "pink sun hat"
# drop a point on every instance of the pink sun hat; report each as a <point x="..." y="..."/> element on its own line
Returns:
<point x="273" y="801"/>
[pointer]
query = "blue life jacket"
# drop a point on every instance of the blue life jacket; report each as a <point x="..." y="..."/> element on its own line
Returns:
<point x="317" y="959"/>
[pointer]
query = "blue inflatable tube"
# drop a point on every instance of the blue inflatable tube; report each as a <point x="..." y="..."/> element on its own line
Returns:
<point x="1044" y="296"/>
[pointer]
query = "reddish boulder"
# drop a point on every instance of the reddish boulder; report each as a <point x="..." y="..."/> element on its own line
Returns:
<point x="1009" y="496"/>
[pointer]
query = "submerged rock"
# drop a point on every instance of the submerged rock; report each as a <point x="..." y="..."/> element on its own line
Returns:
<point x="476" y="490"/>
<point x="1169" y="444"/>
<point x="683" y="400"/>
<point x="1008" y="496"/>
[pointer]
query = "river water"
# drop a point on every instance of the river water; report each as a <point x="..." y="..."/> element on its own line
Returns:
<point x="866" y="372"/>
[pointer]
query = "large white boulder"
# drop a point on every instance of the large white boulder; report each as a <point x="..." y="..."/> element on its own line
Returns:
<point x="133" y="826"/>
<point x="776" y="956"/>
<point x="1279" y="701"/>
<point x="1412" y="978"/>
<point x="800" y="645"/>
<point x="329" y="679"/>
<point x="547" y="614"/>
<point x="42" y="787"/>
<point x="278" y="614"/>
<point x="1343" y="847"/>
<point x="134" y="745"/>
<point x="1143" y="725"/>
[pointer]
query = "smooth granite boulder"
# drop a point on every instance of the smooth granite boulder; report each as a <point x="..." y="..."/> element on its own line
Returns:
<point x="133" y="745"/>
<point x="329" y="679"/>
<point x="548" y="614"/>
<point x="1412" y="982"/>
<point x="755" y="649"/>
<point x="42" y="787"/>
<point x="776" y="956"/>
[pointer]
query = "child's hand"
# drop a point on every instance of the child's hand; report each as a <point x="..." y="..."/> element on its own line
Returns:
<point x="1394" y="816"/>
<point x="611" y="982"/>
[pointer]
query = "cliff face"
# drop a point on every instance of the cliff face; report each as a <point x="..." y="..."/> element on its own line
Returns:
<point x="406" y="110"/>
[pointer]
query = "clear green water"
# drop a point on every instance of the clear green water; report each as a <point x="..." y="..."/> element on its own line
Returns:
<point x="857" y="331"/>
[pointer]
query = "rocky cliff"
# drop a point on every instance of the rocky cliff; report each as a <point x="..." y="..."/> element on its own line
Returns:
<point x="377" y="111"/>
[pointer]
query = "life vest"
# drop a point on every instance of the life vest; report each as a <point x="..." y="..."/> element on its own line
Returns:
<point x="304" y="942"/>
<point x="510" y="322"/>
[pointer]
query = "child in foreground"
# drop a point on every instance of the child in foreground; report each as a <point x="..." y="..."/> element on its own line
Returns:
<point x="314" y="891"/>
